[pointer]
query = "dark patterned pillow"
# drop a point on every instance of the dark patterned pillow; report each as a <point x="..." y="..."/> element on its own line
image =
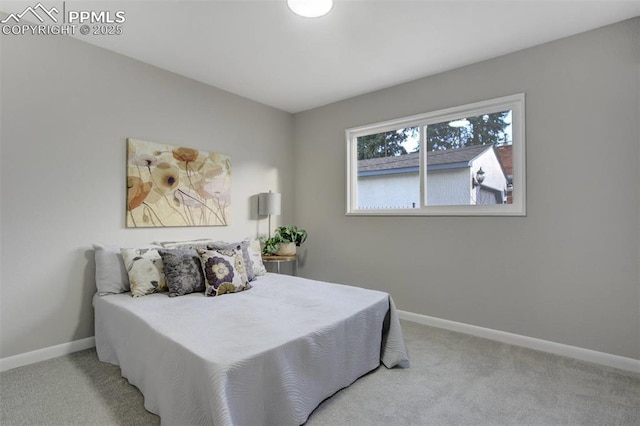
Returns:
<point x="224" y="271"/>
<point x="183" y="271"/>
<point x="243" y="247"/>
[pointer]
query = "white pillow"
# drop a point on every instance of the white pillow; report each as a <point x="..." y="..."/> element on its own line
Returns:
<point x="145" y="270"/>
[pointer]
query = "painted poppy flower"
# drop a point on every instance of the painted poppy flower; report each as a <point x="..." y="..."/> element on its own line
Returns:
<point x="137" y="191"/>
<point x="166" y="177"/>
<point x="185" y="154"/>
<point x="143" y="160"/>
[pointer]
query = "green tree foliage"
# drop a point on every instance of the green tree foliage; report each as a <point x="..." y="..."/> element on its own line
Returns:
<point x="482" y="130"/>
<point x="385" y="144"/>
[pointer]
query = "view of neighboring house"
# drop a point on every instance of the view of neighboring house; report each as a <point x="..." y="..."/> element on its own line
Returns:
<point x="394" y="182"/>
<point x="505" y="155"/>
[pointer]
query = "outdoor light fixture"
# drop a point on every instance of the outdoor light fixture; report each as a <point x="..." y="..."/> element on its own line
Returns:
<point x="478" y="179"/>
<point x="269" y="204"/>
<point x="310" y="8"/>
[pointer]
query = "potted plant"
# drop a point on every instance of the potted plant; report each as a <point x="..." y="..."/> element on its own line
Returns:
<point x="284" y="241"/>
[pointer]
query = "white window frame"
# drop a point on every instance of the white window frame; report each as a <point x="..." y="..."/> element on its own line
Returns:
<point x="515" y="103"/>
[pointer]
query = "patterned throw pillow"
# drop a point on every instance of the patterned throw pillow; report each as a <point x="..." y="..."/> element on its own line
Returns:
<point x="145" y="270"/>
<point x="255" y="253"/>
<point x="224" y="271"/>
<point x="183" y="271"/>
<point x="242" y="247"/>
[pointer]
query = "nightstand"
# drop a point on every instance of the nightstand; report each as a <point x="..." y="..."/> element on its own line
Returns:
<point x="280" y="259"/>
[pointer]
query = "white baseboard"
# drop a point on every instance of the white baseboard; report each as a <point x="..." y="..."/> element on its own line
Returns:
<point x="602" y="358"/>
<point x="46" y="353"/>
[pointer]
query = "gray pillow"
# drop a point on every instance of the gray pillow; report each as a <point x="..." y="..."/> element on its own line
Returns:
<point x="188" y="244"/>
<point x="111" y="274"/>
<point x="183" y="271"/>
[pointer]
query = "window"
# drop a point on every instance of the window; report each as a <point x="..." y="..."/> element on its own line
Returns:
<point x="465" y="161"/>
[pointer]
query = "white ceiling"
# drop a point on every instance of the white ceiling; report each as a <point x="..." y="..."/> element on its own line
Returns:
<point x="260" y="50"/>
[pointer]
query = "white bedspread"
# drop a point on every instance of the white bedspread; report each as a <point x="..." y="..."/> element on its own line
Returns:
<point x="266" y="356"/>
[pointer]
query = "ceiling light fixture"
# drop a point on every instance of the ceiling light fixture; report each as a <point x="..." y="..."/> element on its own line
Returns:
<point x="310" y="8"/>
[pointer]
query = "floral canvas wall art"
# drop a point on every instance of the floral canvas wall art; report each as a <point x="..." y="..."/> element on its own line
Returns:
<point x="176" y="186"/>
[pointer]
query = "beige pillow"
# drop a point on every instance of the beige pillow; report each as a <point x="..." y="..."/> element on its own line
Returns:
<point x="145" y="270"/>
<point x="255" y="253"/>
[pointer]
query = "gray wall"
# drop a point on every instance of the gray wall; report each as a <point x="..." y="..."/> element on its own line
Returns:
<point x="568" y="272"/>
<point x="67" y="109"/>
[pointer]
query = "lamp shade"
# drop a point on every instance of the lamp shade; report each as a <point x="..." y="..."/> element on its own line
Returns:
<point x="269" y="203"/>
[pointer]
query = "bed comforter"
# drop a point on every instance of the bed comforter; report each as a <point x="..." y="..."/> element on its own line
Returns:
<point x="266" y="356"/>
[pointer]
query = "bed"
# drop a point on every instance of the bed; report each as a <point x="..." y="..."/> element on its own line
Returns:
<point x="265" y="356"/>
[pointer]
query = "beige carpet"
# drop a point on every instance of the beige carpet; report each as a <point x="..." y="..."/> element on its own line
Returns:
<point x="454" y="379"/>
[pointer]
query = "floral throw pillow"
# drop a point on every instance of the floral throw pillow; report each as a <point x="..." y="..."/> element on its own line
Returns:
<point x="242" y="247"/>
<point x="145" y="270"/>
<point x="183" y="271"/>
<point x="224" y="271"/>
